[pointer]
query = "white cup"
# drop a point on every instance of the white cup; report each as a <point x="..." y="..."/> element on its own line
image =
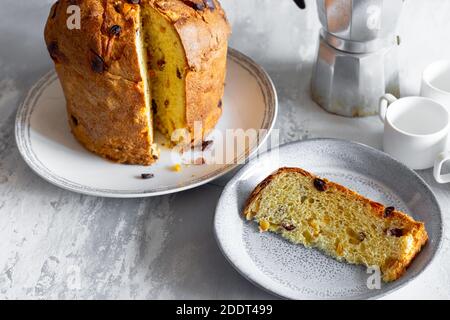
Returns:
<point x="436" y="82"/>
<point x="416" y="131"/>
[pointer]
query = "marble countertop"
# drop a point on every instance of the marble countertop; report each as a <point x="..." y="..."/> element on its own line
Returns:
<point x="57" y="244"/>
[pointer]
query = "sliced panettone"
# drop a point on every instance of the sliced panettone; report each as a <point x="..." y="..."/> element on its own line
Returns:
<point x="134" y="65"/>
<point x="318" y="213"/>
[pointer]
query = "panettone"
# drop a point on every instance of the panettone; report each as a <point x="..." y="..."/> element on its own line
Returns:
<point x="318" y="213"/>
<point x="139" y="64"/>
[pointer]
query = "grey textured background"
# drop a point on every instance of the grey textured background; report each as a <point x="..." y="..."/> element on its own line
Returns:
<point x="57" y="244"/>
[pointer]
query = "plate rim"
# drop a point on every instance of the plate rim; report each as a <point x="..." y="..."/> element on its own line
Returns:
<point x="23" y="141"/>
<point x="255" y="282"/>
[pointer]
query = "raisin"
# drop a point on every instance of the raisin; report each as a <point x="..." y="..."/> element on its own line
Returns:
<point x="154" y="106"/>
<point x="210" y="4"/>
<point x="288" y="227"/>
<point x="179" y="75"/>
<point x="117" y="7"/>
<point x="97" y="63"/>
<point x="115" y="31"/>
<point x="320" y="184"/>
<point x="74" y="120"/>
<point x="166" y="103"/>
<point x="395" y="232"/>
<point x="53" y="50"/>
<point x="197" y="5"/>
<point x="155" y="157"/>
<point x="146" y="176"/>
<point x="206" y="144"/>
<point x="55" y="10"/>
<point x="220" y="104"/>
<point x="388" y="212"/>
<point x="361" y="236"/>
<point x="301" y="4"/>
<point x="161" y="63"/>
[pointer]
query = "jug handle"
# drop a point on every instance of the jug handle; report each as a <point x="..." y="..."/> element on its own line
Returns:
<point x="384" y="103"/>
<point x="441" y="178"/>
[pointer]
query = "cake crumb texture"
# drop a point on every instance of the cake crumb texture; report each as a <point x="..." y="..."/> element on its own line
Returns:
<point x="317" y="213"/>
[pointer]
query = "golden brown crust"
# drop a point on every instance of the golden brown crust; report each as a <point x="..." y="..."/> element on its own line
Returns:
<point x="102" y="81"/>
<point x="392" y="271"/>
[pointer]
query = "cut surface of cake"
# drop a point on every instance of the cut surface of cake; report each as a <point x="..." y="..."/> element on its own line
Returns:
<point x="136" y="65"/>
<point x="315" y="212"/>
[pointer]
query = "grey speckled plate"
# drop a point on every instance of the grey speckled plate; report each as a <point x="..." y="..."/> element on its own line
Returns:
<point x="295" y="272"/>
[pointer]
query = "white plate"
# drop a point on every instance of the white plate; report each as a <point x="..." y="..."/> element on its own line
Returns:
<point x="45" y="142"/>
<point x="295" y="272"/>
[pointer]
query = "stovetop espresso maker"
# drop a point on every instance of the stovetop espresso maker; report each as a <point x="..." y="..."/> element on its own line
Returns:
<point x="357" y="55"/>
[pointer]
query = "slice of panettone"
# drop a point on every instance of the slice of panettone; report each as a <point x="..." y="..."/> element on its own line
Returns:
<point x="318" y="213"/>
